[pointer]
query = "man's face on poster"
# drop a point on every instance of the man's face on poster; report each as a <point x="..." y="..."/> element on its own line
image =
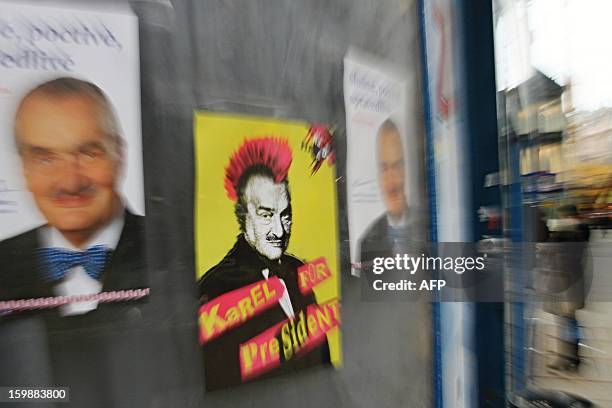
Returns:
<point x="391" y="168"/>
<point x="267" y="226"/>
<point x="70" y="164"/>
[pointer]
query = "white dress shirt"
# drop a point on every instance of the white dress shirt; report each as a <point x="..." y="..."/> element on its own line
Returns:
<point x="401" y="223"/>
<point x="285" y="300"/>
<point x="76" y="281"/>
<point x="398" y="224"/>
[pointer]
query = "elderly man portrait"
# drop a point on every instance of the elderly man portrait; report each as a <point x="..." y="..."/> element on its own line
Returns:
<point x="256" y="180"/>
<point x="72" y="155"/>
<point x="391" y="232"/>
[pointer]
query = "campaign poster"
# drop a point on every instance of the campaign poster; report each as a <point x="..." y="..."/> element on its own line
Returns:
<point x="71" y="177"/>
<point x="266" y="247"/>
<point x="383" y="166"/>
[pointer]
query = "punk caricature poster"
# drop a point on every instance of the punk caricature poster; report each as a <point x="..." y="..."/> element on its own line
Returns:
<point x="71" y="177"/>
<point x="266" y="247"/>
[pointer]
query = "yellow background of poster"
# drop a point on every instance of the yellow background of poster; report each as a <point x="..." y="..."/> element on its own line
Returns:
<point x="313" y="198"/>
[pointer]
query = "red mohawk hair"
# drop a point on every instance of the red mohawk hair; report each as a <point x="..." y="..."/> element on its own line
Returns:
<point x="272" y="153"/>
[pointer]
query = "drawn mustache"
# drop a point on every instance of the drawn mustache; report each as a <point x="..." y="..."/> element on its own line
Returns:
<point x="274" y="239"/>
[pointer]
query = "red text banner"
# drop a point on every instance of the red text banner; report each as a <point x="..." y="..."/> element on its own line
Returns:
<point x="312" y="274"/>
<point x="288" y="339"/>
<point x="234" y="308"/>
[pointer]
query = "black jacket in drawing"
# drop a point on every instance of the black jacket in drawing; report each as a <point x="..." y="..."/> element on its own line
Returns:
<point x="243" y="266"/>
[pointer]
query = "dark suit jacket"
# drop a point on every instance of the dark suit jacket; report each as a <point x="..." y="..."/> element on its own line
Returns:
<point x="21" y="276"/>
<point x="90" y="353"/>
<point x="242" y="266"/>
<point x="376" y="242"/>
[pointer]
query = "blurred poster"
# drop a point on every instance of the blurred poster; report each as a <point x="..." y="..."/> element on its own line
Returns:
<point x="266" y="247"/>
<point x="382" y="169"/>
<point x="454" y="386"/>
<point x="71" y="180"/>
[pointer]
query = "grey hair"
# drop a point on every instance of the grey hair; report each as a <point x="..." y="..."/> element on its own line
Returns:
<point x="240" y="208"/>
<point x="67" y="86"/>
<point x="387" y="126"/>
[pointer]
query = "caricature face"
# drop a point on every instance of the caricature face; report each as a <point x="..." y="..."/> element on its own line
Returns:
<point x="391" y="172"/>
<point x="71" y="166"/>
<point x="267" y="226"/>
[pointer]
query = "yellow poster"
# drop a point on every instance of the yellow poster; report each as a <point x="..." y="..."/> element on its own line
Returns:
<point x="266" y="247"/>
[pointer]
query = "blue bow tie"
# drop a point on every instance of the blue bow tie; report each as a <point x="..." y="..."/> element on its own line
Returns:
<point x="58" y="261"/>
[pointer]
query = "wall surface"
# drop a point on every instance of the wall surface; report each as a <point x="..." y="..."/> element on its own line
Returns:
<point x="284" y="59"/>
